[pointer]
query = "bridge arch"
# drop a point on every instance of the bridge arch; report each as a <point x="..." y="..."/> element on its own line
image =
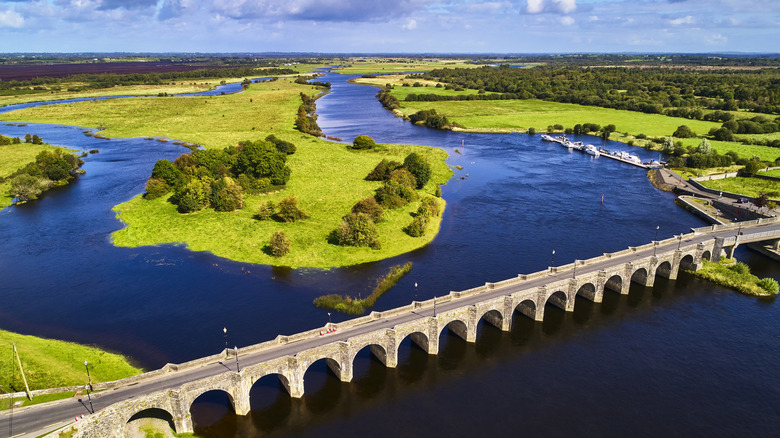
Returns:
<point x="458" y="327"/>
<point x="640" y="276"/>
<point x="418" y="338"/>
<point x="614" y="283"/>
<point x="706" y="255"/>
<point x="557" y="299"/>
<point x="527" y="307"/>
<point x="192" y="396"/>
<point x="587" y="290"/>
<point x="161" y="415"/>
<point x="664" y="269"/>
<point x="493" y="316"/>
<point x="687" y="262"/>
<point x="378" y="349"/>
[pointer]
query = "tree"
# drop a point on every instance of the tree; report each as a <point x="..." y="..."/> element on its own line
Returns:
<point x="357" y="229"/>
<point x="532" y="131"/>
<point x="751" y="168"/>
<point x="382" y="170"/>
<point x="419" y="167"/>
<point x="228" y="197"/>
<point x="266" y="211"/>
<point x="363" y="142"/>
<point x="704" y="147"/>
<point x="761" y="200"/>
<point x="26" y="187"/>
<point x="683" y="131"/>
<point x="166" y="171"/>
<point x="261" y="159"/>
<point x="192" y="196"/>
<point x="668" y="145"/>
<point x="417" y="227"/>
<point x="280" y="244"/>
<point x="155" y="188"/>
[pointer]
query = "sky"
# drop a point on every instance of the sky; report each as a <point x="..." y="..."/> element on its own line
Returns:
<point x="390" y="26"/>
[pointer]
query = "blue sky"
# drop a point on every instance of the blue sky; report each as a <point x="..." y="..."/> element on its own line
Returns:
<point x="398" y="26"/>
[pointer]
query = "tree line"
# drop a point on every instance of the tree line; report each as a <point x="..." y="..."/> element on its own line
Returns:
<point x="648" y="90"/>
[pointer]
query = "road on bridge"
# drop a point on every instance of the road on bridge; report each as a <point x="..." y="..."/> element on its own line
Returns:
<point x="38" y="418"/>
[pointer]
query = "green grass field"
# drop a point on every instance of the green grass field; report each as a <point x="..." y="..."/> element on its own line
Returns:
<point x="327" y="178"/>
<point x="373" y="65"/>
<point x="746" y="186"/>
<point x="50" y="363"/>
<point x="12" y="158"/>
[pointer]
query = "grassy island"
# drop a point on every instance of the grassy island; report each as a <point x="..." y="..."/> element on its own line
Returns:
<point x="328" y="179"/>
<point x="736" y="275"/>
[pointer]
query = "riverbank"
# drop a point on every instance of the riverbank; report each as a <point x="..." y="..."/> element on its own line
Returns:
<point x="49" y="363"/>
<point x="326" y="178"/>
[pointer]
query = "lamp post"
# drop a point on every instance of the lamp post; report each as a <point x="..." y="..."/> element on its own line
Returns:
<point x="328" y="318"/>
<point x="655" y="241"/>
<point x="415" y="291"/>
<point x="224" y="333"/>
<point x="679" y="242"/>
<point x="237" y="368"/>
<point x="89" y="378"/>
<point x="552" y="259"/>
<point x="434" y="306"/>
<point x="656" y="231"/>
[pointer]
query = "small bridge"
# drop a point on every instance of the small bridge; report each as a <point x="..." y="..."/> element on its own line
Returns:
<point x="169" y="393"/>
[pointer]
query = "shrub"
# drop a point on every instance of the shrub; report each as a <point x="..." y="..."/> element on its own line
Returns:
<point x="265" y="211"/>
<point x="357" y="229"/>
<point x="155" y="188"/>
<point x="531" y="131"/>
<point x="282" y="146"/>
<point x="289" y="211"/>
<point x="741" y="268"/>
<point x="370" y="207"/>
<point x="403" y="177"/>
<point x="683" y="131"/>
<point x="280" y="244"/>
<point x="769" y="284"/>
<point x="417" y="227"/>
<point x="382" y="170"/>
<point x="418" y="167"/>
<point x="432" y="205"/>
<point x="362" y="142"/>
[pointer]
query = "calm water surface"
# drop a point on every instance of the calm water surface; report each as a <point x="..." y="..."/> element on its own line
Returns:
<point x="684" y="358"/>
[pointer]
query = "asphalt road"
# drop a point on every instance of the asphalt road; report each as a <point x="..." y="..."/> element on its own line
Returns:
<point x="37" y="418"/>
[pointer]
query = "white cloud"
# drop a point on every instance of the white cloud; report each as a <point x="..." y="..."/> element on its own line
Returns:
<point x="563" y="6"/>
<point x="567" y="21"/>
<point x="11" y="18"/>
<point x="411" y="24"/>
<point x="682" y="20"/>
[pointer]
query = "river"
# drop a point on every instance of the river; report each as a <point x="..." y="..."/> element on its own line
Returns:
<point x="684" y="358"/>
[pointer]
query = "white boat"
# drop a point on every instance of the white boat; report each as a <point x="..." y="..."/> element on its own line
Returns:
<point x="577" y="145"/>
<point x="546" y="137"/>
<point x="592" y="150"/>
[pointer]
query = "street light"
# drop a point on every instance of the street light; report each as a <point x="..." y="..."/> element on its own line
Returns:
<point x="237" y="368"/>
<point x="574" y="272"/>
<point x="415" y="291"/>
<point x="224" y="332"/>
<point x="656" y="231"/>
<point x="679" y="243"/>
<point x="89" y="378"/>
<point x="434" y="306"/>
<point x="552" y="260"/>
<point x="328" y="318"/>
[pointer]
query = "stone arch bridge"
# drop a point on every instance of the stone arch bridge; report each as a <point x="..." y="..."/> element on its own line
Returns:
<point x="171" y="391"/>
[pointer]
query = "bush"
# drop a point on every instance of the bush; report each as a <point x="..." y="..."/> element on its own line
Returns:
<point x="26" y="187"/>
<point x="382" y="170"/>
<point x="282" y="146"/>
<point x="266" y="211"/>
<point x="683" y="131"/>
<point x="403" y="177"/>
<point x="362" y="142"/>
<point x="357" y="229"/>
<point x="280" y="244"/>
<point x="432" y="205"/>
<point x="155" y="188"/>
<point x="370" y="207"/>
<point x="417" y="227"/>
<point x="418" y="167"/>
<point x="531" y="131"/>
<point x="769" y="284"/>
<point x="741" y="268"/>
<point x="289" y="211"/>
<point x="166" y="171"/>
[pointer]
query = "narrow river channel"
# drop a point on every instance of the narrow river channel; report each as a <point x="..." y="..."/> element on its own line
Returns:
<point x="683" y="358"/>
